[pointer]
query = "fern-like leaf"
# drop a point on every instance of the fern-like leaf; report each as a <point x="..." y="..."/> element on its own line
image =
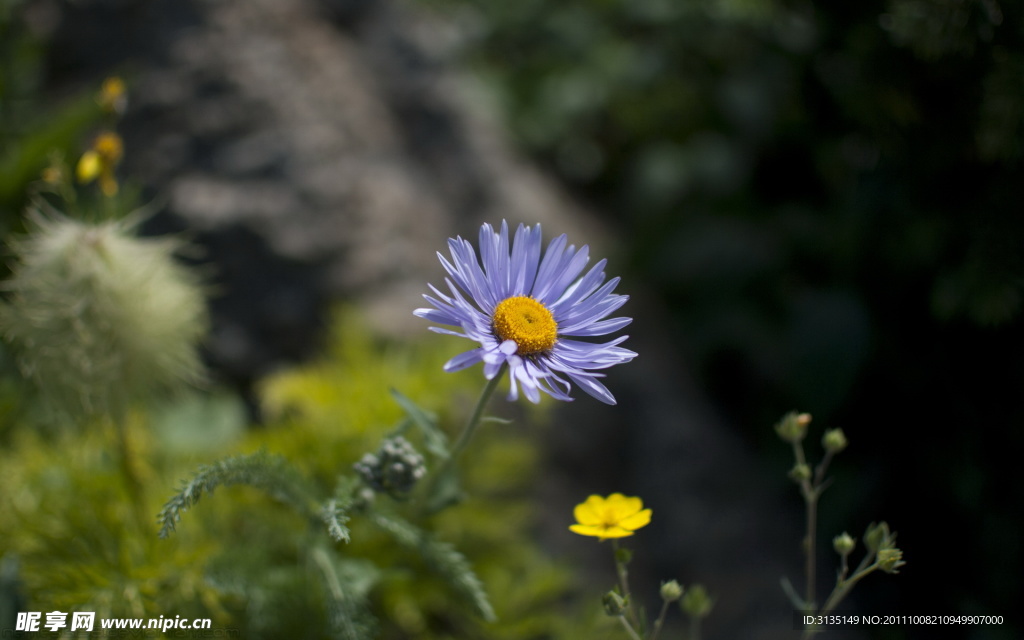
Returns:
<point x="273" y="474"/>
<point x="443" y="558"/>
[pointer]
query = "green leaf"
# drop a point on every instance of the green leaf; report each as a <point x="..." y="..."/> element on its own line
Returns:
<point x="434" y="439"/>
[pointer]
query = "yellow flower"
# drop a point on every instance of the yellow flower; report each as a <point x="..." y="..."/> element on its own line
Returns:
<point x="616" y="516"/>
<point x="112" y="97"/>
<point x="100" y="161"/>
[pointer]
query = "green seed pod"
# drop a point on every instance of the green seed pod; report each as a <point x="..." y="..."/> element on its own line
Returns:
<point x="99" y="319"/>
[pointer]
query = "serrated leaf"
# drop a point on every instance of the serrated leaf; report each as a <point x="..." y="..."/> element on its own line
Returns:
<point x="335" y="516"/>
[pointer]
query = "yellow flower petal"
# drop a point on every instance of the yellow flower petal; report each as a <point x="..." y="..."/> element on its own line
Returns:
<point x="88" y="166"/>
<point x="623" y="507"/>
<point x="591" y="511"/>
<point x="597" y="531"/>
<point x="636" y="521"/>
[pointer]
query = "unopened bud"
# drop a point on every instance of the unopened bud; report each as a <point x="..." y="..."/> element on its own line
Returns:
<point x="800" y="472"/>
<point x="793" y="426"/>
<point x="877" y="537"/>
<point x="394" y="469"/>
<point x="843" y="544"/>
<point x="834" y="440"/>
<point x="623" y="555"/>
<point x="891" y="559"/>
<point x="696" y="603"/>
<point x="671" y="591"/>
<point x="614" y="604"/>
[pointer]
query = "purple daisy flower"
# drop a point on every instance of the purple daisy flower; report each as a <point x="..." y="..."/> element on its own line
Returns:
<point x="526" y="311"/>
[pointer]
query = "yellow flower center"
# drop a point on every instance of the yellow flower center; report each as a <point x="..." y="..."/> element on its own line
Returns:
<point x="526" y="322"/>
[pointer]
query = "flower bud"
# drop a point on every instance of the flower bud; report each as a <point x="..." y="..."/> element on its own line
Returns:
<point x="696" y="603"/>
<point x="101" y="320"/>
<point x="891" y="559"/>
<point x="800" y="473"/>
<point x="793" y="426"/>
<point x="623" y="556"/>
<point x="614" y="604"/>
<point x="834" y="440"/>
<point x="843" y="544"/>
<point x="394" y="469"/>
<point x="877" y="537"/>
<point x="671" y="591"/>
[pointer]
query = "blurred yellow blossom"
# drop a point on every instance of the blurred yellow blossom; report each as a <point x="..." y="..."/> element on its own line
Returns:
<point x="112" y="97"/>
<point x="616" y="516"/>
<point x="99" y="162"/>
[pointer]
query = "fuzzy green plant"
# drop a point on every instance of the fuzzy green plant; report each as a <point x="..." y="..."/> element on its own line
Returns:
<point x="98" y="318"/>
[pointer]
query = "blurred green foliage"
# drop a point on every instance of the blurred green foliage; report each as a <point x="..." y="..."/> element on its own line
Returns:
<point x="240" y="557"/>
<point x="34" y="128"/>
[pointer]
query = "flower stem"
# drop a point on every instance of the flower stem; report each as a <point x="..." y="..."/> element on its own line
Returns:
<point x="443" y="491"/>
<point x="810" y="492"/>
<point x="629" y="628"/>
<point x="130" y="471"/>
<point x="474" y="419"/>
<point x="623" y="573"/>
<point x="694" y="628"/>
<point x="660" y="621"/>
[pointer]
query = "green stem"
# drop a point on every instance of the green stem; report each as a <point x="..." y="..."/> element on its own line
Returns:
<point x="623" y="573"/>
<point x="629" y="628"/>
<point x="445" y="473"/>
<point x="842" y="589"/>
<point x="694" y="628"/>
<point x="474" y="419"/>
<point x="130" y="472"/>
<point x="660" y="621"/>
<point x="810" y="494"/>
<point x="811" y="500"/>
<point x="323" y="562"/>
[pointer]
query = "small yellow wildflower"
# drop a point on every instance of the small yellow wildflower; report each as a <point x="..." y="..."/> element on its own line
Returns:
<point x="112" y="97"/>
<point x="99" y="162"/>
<point x="616" y="516"/>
